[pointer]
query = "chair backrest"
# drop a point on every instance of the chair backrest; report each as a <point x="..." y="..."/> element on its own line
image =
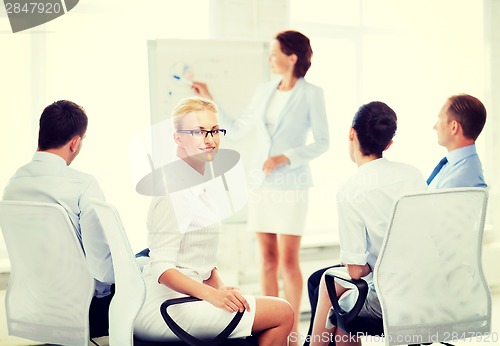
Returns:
<point x="50" y="288"/>
<point x="130" y="290"/>
<point x="429" y="276"/>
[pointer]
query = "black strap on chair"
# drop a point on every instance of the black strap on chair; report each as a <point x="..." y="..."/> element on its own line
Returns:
<point x="188" y="338"/>
<point x="345" y="317"/>
<point x="349" y="321"/>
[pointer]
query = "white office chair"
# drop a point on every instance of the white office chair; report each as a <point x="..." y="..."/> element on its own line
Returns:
<point x="428" y="275"/>
<point x="50" y="288"/>
<point x="130" y="290"/>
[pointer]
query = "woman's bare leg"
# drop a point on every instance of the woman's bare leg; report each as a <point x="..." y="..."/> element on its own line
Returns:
<point x="319" y="330"/>
<point x="268" y="244"/>
<point x="321" y="335"/>
<point x="288" y="249"/>
<point x="273" y="321"/>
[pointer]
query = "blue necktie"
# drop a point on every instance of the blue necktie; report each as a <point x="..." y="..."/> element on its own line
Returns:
<point x="436" y="170"/>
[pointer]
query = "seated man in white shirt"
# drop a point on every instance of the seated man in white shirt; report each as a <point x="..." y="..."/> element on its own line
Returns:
<point x="48" y="178"/>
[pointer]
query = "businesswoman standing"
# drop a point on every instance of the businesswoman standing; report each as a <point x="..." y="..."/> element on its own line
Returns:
<point x="280" y="116"/>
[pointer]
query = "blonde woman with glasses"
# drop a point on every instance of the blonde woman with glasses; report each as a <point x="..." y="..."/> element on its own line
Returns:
<point x="183" y="250"/>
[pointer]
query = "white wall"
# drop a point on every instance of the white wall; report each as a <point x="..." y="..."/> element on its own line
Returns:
<point x="491" y="251"/>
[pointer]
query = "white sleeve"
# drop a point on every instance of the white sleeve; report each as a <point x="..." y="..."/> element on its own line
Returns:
<point x="164" y="237"/>
<point x="94" y="241"/>
<point x="352" y="230"/>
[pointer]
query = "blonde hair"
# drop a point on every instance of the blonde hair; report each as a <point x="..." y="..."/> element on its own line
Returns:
<point x="188" y="105"/>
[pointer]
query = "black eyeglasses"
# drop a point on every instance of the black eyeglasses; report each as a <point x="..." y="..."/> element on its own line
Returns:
<point x="199" y="132"/>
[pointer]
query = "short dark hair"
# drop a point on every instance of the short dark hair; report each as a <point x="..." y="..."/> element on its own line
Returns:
<point x="59" y="122"/>
<point x="469" y="112"/>
<point x="294" y="42"/>
<point x="375" y="124"/>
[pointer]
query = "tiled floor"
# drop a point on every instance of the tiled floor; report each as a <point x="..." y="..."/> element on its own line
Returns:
<point x="6" y="340"/>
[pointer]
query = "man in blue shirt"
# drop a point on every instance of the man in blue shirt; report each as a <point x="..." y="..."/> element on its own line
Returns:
<point x="459" y="123"/>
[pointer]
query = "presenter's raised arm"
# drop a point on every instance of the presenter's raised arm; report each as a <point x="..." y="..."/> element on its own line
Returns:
<point x="202" y="90"/>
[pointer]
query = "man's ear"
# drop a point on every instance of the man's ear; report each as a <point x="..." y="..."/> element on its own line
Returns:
<point x="74" y="143"/>
<point x="455" y="127"/>
<point x="388" y="145"/>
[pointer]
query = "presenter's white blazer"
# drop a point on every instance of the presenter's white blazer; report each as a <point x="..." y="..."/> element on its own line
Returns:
<point x="304" y="111"/>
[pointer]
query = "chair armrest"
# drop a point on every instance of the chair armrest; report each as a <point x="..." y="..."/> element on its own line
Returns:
<point x="344" y="317"/>
<point x="188" y="338"/>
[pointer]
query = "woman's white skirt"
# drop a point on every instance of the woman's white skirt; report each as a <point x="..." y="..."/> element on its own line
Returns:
<point x="278" y="211"/>
<point x="200" y="319"/>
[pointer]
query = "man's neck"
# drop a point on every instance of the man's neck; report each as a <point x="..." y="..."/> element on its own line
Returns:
<point x="459" y="144"/>
<point x="59" y="152"/>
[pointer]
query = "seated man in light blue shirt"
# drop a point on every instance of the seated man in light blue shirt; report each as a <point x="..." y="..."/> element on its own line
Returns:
<point x="460" y="122"/>
<point x="48" y="178"/>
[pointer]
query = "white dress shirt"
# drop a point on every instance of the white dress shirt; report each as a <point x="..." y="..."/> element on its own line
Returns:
<point x="365" y="204"/>
<point x="47" y="178"/>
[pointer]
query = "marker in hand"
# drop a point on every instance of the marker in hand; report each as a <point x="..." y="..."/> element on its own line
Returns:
<point x="183" y="79"/>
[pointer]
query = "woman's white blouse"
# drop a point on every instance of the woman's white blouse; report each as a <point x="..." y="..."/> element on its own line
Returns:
<point x="276" y="104"/>
<point x="192" y="252"/>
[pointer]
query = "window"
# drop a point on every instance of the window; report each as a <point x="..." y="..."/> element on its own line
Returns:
<point x="411" y="55"/>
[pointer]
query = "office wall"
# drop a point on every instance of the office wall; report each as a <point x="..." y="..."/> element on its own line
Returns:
<point x="491" y="251"/>
<point x="492" y="42"/>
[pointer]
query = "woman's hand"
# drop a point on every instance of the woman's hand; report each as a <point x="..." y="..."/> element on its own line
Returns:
<point x="229" y="299"/>
<point x="274" y="162"/>
<point x="202" y="90"/>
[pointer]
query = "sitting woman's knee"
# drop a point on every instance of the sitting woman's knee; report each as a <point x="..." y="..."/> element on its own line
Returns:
<point x="272" y="312"/>
<point x="288" y="314"/>
<point x="285" y="313"/>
